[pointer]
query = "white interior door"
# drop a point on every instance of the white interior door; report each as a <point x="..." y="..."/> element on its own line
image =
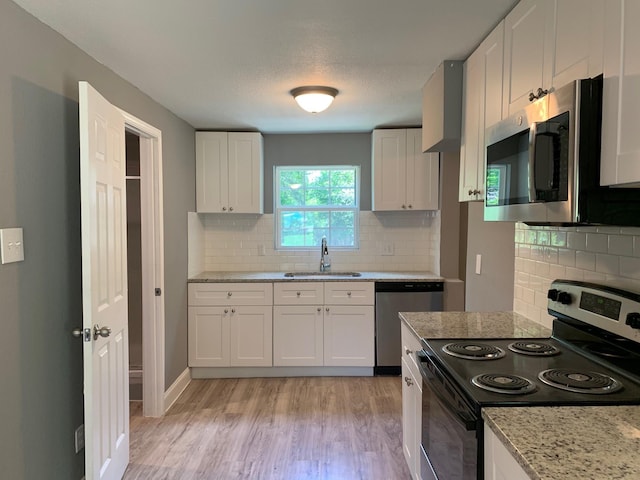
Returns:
<point x="104" y="286"/>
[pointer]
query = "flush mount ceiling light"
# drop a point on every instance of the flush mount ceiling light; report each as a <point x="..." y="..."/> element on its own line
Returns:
<point x="314" y="99"/>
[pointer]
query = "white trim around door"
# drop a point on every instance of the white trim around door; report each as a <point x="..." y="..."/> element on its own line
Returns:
<point x="152" y="226"/>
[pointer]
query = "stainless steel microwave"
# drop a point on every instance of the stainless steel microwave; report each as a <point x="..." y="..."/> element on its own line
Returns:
<point x="543" y="163"/>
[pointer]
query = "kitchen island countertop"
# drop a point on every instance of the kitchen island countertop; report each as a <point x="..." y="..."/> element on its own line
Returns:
<point x="473" y="325"/>
<point x="213" y="277"/>
<point x="571" y="443"/>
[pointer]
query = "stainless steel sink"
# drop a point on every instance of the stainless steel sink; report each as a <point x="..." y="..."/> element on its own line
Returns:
<point x="322" y="274"/>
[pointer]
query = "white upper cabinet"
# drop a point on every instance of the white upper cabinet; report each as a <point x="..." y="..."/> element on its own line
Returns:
<point x="404" y="178"/>
<point x="528" y="51"/>
<point x="229" y="172"/>
<point x="578" y="42"/>
<point x="482" y="108"/>
<point x="620" y="163"/>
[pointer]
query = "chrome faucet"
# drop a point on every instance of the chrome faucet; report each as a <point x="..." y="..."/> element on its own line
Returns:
<point x="325" y="263"/>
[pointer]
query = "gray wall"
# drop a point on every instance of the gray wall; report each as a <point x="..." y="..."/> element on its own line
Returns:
<point x="40" y="298"/>
<point x="492" y="290"/>
<point x="318" y="149"/>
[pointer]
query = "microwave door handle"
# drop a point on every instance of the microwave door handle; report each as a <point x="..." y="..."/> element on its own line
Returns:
<point x="533" y="131"/>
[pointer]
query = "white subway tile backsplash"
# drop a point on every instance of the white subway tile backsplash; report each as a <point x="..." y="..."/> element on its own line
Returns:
<point x="577" y="240"/>
<point x="609" y="255"/>
<point x="233" y="244"/>
<point x="586" y="260"/>
<point x="597" y="242"/>
<point x="620" y="245"/>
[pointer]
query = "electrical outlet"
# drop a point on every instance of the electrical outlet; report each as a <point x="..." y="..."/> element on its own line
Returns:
<point x="387" y="249"/>
<point x="79" y="438"/>
<point x="478" y="264"/>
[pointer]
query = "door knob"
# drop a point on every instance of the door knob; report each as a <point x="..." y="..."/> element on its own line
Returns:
<point x="101" y="332"/>
<point x="84" y="333"/>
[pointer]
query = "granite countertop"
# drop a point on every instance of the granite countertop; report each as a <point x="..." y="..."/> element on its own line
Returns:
<point x="205" y="277"/>
<point x="473" y="325"/>
<point x="571" y="443"/>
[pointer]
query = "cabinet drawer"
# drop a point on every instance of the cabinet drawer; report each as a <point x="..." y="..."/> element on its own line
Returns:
<point x="410" y="346"/>
<point x="220" y="294"/>
<point x="349" y="293"/>
<point x="298" y="293"/>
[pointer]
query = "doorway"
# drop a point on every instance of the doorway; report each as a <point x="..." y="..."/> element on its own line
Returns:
<point x="145" y="264"/>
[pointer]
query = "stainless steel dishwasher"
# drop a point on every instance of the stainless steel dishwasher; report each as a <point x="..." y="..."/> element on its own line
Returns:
<point x="394" y="297"/>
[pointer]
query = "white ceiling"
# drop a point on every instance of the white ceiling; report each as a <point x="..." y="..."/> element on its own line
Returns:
<point x="230" y="64"/>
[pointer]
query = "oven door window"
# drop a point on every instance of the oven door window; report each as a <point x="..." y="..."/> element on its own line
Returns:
<point x="451" y="448"/>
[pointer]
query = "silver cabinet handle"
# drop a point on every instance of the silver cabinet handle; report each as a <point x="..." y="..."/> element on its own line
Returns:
<point x="226" y="310"/>
<point x="404" y="206"/>
<point x="298" y="294"/>
<point x="408" y="352"/>
<point x="327" y="309"/>
<point x="231" y="209"/>
<point x="233" y="310"/>
<point x="348" y="294"/>
<point x="224" y="209"/>
<point x="319" y="309"/>
<point x="410" y="206"/>
<point x="408" y="381"/>
<point x="101" y="332"/>
<point x="229" y="294"/>
<point x="470" y="192"/>
<point x="477" y="192"/>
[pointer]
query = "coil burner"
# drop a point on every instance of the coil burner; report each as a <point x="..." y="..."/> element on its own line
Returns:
<point x="501" y="383"/>
<point x="533" y="348"/>
<point x="473" y="350"/>
<point x="580" y="382"/>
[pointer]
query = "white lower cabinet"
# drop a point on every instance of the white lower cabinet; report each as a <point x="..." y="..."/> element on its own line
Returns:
<point x="499" y="464"/>
<point x="226" y="329"/>
<point x="411" y="401"/>
<point x="349" y="336"/>
<point x="323" y="324"/>
<point x="297" y="336"/>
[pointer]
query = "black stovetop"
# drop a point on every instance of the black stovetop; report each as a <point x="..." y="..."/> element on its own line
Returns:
<point x="579" y="351"/>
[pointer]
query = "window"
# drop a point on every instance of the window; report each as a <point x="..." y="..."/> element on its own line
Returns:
<point x="312" y="202"/>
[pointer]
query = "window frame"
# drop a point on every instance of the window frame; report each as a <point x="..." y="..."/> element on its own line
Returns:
<point x="277" y="208"/>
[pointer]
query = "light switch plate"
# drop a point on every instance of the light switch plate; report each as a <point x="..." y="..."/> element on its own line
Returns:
<point x="11" y="245"/>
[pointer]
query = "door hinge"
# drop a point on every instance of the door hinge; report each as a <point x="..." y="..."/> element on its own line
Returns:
<point x="158" y="292"/>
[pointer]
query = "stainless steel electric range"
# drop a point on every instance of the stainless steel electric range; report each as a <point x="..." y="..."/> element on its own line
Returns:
<point x="592" y="358"/>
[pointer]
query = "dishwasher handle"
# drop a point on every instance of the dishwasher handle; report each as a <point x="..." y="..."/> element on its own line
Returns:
<point x="406" y="286"/>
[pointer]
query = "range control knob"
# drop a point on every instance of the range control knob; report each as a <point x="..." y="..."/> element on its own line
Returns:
<point x="564" y="298"/>
<point x="633" y="320"/>
<point x="552" y="294"/>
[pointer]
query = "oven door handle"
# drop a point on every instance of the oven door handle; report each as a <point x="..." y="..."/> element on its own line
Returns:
<point x="469" y="421"/>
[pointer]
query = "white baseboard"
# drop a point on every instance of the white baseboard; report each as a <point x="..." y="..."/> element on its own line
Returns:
<point x="260" y="372"/>
<point x="176" y="388"/>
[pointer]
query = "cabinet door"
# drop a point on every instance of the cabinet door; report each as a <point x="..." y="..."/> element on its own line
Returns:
<point x="422" y="174"/>
<point x="499" y="464"/>
<point x="297" y="336"/>
<point x="621" y="99"/>
<point x="208" y="336"/>
<point x="470" y="153"/>
<point x="246" y="174"/>
<point x="389" y="169"/>
<point x="211" y="172"/>
<point x="528" y="52"/>
<point x="348" y="336"/>
<point x="411" y="423"/>
<point x="483" y="108"/>
<point x="251" y="338"/>
<point x="578" y="42"/>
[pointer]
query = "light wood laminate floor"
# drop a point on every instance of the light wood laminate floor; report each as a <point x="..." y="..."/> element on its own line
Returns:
<point x="308" y="428"/>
